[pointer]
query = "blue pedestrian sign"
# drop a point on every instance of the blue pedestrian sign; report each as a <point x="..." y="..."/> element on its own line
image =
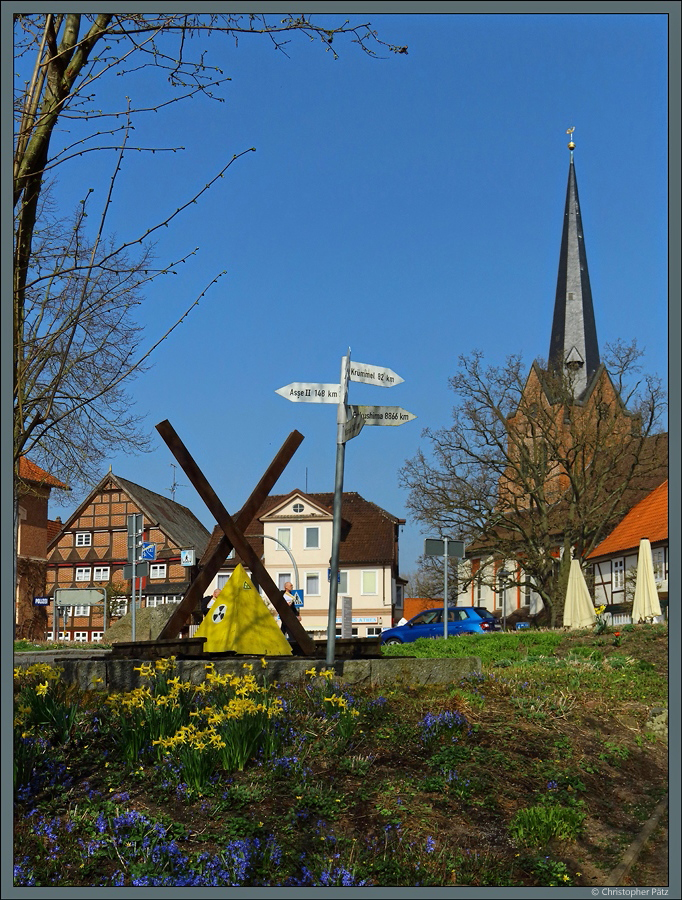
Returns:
<point x="298" y="597"/>
<point x="148" y="551"/>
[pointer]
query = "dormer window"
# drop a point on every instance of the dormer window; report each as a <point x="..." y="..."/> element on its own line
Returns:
<point x="298" y="507"/>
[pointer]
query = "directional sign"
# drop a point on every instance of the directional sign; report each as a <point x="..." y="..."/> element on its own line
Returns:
<point x="78" y="597"/>
<point x="373" y="375"/>
<point x="305" y="392"/>
<point x="353" y="424"/>
<point x="148" y="551"/>
<point x="383" y="415"/>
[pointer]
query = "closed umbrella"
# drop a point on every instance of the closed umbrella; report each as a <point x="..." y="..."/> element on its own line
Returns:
<point x="578" y="608"/>
<point x="645" y="605"/>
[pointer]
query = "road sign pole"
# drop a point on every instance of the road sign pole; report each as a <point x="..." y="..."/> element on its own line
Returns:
<point x="445" y="590"/>
<point x="338" y="496"/>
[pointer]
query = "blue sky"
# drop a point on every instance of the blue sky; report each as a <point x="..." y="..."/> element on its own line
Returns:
<point x="409" y="208"/>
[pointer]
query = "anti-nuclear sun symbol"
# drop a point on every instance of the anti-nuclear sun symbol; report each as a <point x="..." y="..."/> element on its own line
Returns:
<point x="219" y="614"/>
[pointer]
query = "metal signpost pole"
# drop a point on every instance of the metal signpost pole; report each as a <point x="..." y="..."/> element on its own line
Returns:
<point x="338" y="496"/>
<point x="445" y="589"/>
<point x="349" y="422"/>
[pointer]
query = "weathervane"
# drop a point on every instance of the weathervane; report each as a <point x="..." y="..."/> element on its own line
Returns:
<point x="571" y="145"/>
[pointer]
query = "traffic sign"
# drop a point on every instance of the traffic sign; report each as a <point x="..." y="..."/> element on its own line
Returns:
<point x="41" y="601"/>
<point x="78" y="597"/>
<point x="368" y="374"/>
<point x="134" y="525"/>
<point x="383" y="415"/>
<point x="148" y="551"/>
<point x="141" y="570"/>
<point x="307" y="392"/>
<point x="353" y="424"/>
<point x="436" y="547"/>
<point x="298" y="597"/>
<point x="187" y="557"/>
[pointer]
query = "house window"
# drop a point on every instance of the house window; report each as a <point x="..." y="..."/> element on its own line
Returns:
<point x="312" y="538"/>
<point x="526" y="594"/>
<point x="222" y="581"/>
<point x="80" y="636"/>
<point x="298" y="507"/>
<point x="101" y="573"/>
<point x="312" y="583"/>
<point x="83" y="539"/>
<point x="479" y="588"/>
<point x="96" y="636"/>
<point x="369" y="582"/>
<point x="618" y="569"/>
<point x="284" y="537"/>
<point x="79" y="610"/>
<point x="83" y="573"/>
<point x="354" y="631"/>
<point x="343" y="583"/>
<point x="64" y="635"/>
<point x="373" y="631"/>
<point x="157" y="570"/>
<point x="282" y="579"/>
<point x="152" y="601"/>
<point x="659" y="563"/>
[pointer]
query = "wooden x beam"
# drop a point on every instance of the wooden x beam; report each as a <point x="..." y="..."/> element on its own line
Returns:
<point x="234" y="536"/>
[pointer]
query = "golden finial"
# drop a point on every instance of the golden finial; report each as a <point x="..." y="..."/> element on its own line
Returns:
<point x="571" y="145"/>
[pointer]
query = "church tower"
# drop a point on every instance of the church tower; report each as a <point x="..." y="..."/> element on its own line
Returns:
<point x="573" y="347"/>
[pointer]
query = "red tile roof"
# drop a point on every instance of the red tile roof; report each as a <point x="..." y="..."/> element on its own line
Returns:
<point x="648" y="519"/>
<point x="367" y="530"/>
<point x="29" y="471"/>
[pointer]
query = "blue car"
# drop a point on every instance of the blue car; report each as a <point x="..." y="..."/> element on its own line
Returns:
<point x="429" y="624"/>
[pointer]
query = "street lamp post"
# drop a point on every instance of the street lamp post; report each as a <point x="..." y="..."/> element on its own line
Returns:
<point x="502" y="576"/>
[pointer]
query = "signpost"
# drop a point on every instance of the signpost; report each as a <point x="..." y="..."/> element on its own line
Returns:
<point x="444" y="547"/>
<point x="64" y="597"/>
<point x="382" y="415"/>
<point x="135" y="528"/>
<point x="349" y="423"/>
<point x="307" y="392"/>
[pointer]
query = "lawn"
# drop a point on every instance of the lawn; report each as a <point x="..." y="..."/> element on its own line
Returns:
<point x="539" y="771"/>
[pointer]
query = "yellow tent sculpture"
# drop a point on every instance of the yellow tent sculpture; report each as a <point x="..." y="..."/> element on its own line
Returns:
<point x="240" y="621"/>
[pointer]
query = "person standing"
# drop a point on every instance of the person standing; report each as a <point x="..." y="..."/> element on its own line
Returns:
<point x="291" y="602"/>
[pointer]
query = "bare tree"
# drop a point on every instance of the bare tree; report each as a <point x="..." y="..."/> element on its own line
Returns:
<point x="525" y="473"/>
<point x="75" y="342"/>
<point x="429" y="579"/>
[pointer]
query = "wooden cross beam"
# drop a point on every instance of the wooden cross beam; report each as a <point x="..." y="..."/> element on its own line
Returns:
<point x="222" y="550"/>
<point x="234" y="534"/>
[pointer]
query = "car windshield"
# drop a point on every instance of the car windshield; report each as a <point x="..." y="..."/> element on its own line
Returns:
<point x="484" y="613"/>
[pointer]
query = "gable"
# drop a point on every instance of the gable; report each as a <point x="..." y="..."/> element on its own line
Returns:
<point x="298" y="505"/>
<point x="112" y="500"/>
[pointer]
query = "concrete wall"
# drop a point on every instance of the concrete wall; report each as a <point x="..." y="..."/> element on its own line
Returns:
<point x="100" y="672"/>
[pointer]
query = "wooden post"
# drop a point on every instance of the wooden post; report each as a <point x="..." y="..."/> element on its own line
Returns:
<point x="234" y="534"/>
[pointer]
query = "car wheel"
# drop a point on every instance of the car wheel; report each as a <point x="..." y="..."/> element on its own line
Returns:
<point x="392" y="641"/>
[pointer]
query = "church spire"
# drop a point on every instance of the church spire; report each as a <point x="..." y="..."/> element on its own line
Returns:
<point x="573" y="345"/>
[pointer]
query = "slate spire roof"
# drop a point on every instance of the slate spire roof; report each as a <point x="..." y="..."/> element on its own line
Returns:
<point x="573" y="343"/>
